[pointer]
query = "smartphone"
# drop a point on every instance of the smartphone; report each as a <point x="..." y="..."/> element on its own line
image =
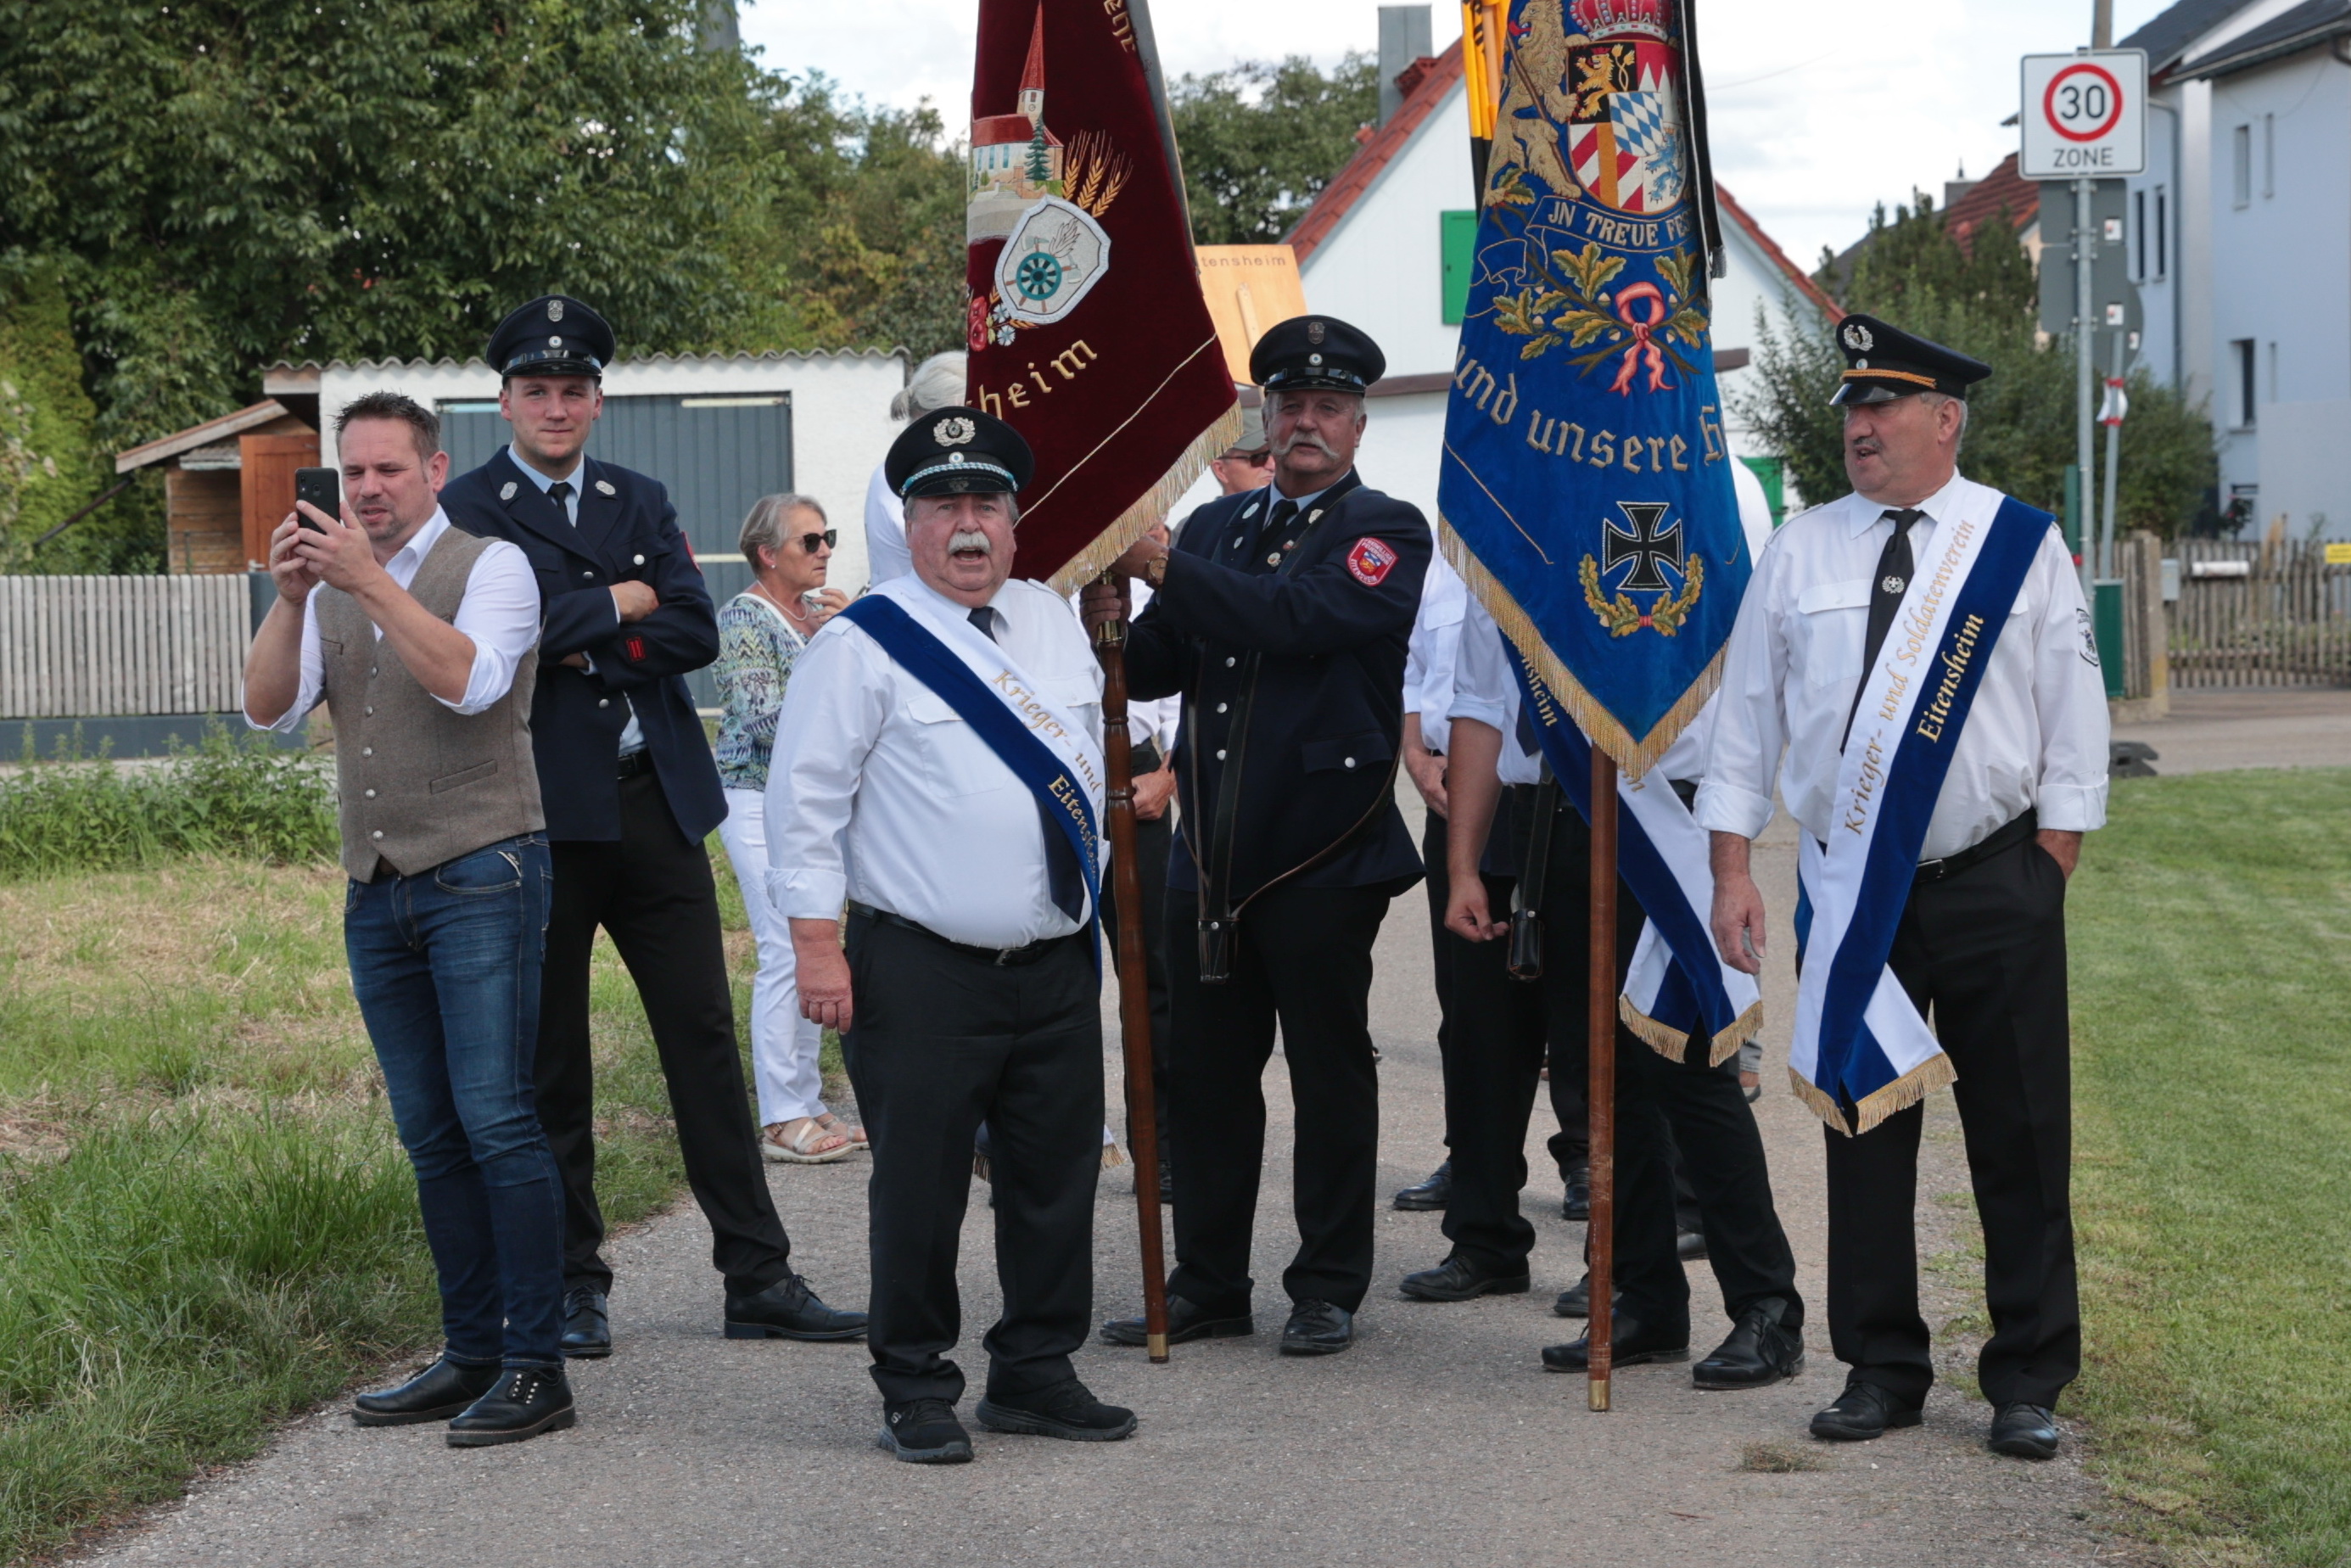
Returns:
<point x="323" y="488"/>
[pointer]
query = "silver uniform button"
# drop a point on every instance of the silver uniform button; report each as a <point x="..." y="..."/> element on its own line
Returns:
<point x="377" y="834"/>
<point x="367" y="751"/>
<point x="638" y="559"/>
<point x="1220" y="756"/>
<point x="371" y="794"/>
<point x="588" y="574"/>
<point x="1220" y="707"/>
<point x="370" y="713"/>
<point x="372" y="672"/>
<point x="1228" y="663"/>
<point x="1351" y="762"/>
<point x="600" y="702"/>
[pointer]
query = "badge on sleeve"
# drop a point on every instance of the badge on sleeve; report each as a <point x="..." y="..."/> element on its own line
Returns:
<point x="2089" y="637"/>
<point x="1371" y="560"/>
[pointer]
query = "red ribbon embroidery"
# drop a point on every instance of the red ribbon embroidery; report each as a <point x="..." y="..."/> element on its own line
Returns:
<point x="1643" y="343"/>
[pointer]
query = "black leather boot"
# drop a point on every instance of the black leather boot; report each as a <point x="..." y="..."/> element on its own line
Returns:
<point x="528" y="1400"/>
<point x="441" y="1390"/>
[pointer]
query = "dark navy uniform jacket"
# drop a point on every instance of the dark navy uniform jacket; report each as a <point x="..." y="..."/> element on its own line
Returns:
<point x="1327" y="716"/>
<point x="628" y="532"/>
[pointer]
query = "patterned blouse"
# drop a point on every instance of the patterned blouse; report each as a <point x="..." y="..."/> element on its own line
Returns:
<point x="756" y="650"/>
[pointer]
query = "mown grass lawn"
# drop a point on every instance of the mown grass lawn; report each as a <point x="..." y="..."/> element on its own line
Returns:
<point x="2210" y="942"/>
<point x="205" y="1224"/>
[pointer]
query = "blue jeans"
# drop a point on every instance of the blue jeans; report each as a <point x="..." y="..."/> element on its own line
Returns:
<point x="445" y="965"/>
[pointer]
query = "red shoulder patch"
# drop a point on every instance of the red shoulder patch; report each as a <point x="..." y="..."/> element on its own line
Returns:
<point x="1371" y="560"/>
<point x="635" y="649"/>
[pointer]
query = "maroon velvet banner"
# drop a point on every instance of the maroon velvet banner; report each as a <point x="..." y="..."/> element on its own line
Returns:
<point x="1085" y="323"/>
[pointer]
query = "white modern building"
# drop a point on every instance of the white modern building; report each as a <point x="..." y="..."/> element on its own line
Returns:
<point x="1387" y="246"/>
<point x="2239" y="235"/>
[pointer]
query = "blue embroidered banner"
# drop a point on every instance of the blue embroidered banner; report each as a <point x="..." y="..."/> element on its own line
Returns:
<point x="1585" y="488"/>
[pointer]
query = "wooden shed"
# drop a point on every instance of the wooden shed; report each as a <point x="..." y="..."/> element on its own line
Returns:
<point x="227" y="482"/>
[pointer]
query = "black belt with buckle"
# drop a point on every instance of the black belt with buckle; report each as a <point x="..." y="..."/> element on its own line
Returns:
<point x="1004" y="957"/>
<point x="1999" y="841"/>
<point x="636" y="762"/>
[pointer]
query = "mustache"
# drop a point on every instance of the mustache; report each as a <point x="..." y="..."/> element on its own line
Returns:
<point x="970" y="539"/>
<point x="1305" y="438"/>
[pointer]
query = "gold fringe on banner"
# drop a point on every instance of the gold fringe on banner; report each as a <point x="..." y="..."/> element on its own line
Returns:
<point x="1634" y="754"/>
<point x="1935" y="1072"/>
<point x="1669" y="1042"/>
<point x="1151" y="507"/>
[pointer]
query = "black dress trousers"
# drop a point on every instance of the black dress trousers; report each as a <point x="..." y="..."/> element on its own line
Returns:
<point x="943" y="1040"/>
<point x="1985" y="949"/>
<point x="1153" y="841"/>
<point x="652" y="892"/>
<point x="1441" y="944"/>
<point x="1303" y="958"/>
<point x="1501" y="1024"/>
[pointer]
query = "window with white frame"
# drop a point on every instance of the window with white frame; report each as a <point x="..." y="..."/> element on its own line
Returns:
<point x="2162" y="231"/>
<point x="2242" y="354"/>
<point x="2241" y="165"/>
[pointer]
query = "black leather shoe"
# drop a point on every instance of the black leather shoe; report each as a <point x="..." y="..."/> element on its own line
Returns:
<point x="789" y="1309"/>
<point x="1459" y="1279"/>
<point x="1634" y="1342"/>
<point x="526" y="1401"/>
<point x="1862" y="1412"/>
<point x="587" y="1324"/>
<point x="1432" y="1193"/>
<point x="1689" y="1246"/>
<point x="1185" y="1323"/>
<point x="1317" y="1328"/>
<point x="1577" y="1203"/>
<point x="441" y="1390"/>
<point x="1576" y="1302"/>
<point x="923" y="1432"/>
<point x="1761" y="1351"/>
<point x="1068" y="1410"/>
<point x="2026" y="1431"/>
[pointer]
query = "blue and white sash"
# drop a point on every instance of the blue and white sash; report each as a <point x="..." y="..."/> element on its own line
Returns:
<point x="1859" y="1043"/>
<point x="1678" y="983"/>
<point x="1046" y="747"/>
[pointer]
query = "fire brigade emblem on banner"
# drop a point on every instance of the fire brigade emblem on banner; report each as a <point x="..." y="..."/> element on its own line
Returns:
<point x="1585" y="491"/>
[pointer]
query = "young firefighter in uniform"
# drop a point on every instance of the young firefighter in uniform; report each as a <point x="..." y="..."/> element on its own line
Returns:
<point x="939" y="767"/>
<point x="1282" y="617"/>
<point x="1913" y="665"/>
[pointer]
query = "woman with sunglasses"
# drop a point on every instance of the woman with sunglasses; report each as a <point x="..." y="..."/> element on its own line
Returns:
<point x="760" y="633"/>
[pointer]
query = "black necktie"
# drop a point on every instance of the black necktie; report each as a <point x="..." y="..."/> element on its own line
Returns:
<point x="1063" y="877"/>
<point x="1894" y="564"/>
<point x="1269" y="534"/>
<point x="560" y="493"/>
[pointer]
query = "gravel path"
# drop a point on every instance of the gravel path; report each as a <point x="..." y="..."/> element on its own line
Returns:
<point x="1438" y="1438"/>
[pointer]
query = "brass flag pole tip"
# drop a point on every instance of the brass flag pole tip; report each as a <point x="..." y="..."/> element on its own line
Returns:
<point x="1157" y="1346"/>
<point x="1599" y="1395"/>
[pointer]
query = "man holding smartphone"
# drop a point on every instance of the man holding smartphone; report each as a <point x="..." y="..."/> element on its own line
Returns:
<point x="631" y="793"/>
<point x="420" y="637"/>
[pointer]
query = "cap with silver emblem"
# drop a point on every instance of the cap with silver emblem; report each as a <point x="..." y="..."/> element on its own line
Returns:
<point x="554" y="335"/>
<point x="1316" y="352"/>
<point x="957" y="451"/>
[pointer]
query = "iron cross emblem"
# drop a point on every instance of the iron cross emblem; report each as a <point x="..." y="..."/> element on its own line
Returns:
<point x="1648" y="543"/>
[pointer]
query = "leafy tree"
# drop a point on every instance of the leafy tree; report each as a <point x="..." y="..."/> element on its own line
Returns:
<point x="1261" y="140"/>
<point x="2021" y="429"/>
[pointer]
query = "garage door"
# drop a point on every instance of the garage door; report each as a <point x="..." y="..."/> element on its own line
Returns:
<point x="716" y="454"/>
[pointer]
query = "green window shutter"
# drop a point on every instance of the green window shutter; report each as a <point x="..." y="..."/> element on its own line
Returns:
<point x="1772" y="472"/>
<point x="1459" y="232"/>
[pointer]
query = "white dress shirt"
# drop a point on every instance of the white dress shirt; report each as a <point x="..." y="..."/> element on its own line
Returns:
<point x="2036" y="736"/>
<point x="886" y="555"/>
<point x="1152" y="722"/>
<point x="1430" y="657"/>
<point x="879" y="792"/>
<point x="633" y="736"/>
<point x="499" y="613"/>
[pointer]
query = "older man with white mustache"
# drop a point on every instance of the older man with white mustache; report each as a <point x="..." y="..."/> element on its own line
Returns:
<point x="938" y="767"/>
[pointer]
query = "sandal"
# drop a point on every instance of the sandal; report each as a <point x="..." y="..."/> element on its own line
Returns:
<point x="832" y="1123"/>
<point x="803" y="1141"/>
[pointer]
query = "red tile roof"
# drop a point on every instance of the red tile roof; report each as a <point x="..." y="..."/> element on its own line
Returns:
<point x="1434" y="80"/>
<point x="1983" y="201"/>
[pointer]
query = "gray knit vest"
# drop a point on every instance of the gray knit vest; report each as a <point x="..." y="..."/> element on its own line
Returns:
<point x="421" y="783"/>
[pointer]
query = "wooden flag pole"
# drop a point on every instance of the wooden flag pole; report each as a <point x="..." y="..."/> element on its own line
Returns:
<point x="1601" y="1098"/>
<point x="1133" y="985"/>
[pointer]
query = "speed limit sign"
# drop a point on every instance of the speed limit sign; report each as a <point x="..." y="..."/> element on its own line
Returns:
<point x="2084" y="115"/>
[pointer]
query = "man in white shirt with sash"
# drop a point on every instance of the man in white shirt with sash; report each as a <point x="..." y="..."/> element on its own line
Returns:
<point x="939" y="769"/>
<point x="1921" y="653"/>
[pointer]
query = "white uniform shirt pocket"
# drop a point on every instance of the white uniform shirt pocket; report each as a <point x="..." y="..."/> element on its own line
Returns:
<point x="1833" y="619"/>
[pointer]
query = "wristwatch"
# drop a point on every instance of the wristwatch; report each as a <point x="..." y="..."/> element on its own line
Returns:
<point x="1155" y="571"/>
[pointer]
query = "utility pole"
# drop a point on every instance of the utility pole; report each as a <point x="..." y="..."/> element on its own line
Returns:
<point x="2085" y="372"/>
<point x="2102" y="24"/>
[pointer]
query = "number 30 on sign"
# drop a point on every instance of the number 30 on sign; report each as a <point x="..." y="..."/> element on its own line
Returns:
<point x="2084" y="115"/>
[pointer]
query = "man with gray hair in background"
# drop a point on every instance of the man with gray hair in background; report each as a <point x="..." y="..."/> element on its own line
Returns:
<point x="937" y="384"/>
<point x="421" y="637"/>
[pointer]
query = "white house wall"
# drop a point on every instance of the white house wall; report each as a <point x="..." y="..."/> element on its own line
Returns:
<point x="840" y="402"/>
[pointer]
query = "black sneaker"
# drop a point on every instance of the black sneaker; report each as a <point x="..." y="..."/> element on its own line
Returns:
<point x="1067" y="1410"/>
<point x="444" y="1389"/>
<point x="526" y="1401"/>
<point x="923" y="1432"/>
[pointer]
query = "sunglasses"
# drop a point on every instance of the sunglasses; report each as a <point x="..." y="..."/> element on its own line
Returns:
<point x="830" y="538"/>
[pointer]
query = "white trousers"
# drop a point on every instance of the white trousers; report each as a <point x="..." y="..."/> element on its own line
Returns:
<point x="784" y="1045"/>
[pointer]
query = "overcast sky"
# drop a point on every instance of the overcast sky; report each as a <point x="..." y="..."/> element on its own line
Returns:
<point x="1821" y="108"/>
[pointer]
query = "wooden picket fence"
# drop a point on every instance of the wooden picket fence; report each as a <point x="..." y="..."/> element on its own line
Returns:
<point x="2255" y="614"/>
<point x="87" y="647"/>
